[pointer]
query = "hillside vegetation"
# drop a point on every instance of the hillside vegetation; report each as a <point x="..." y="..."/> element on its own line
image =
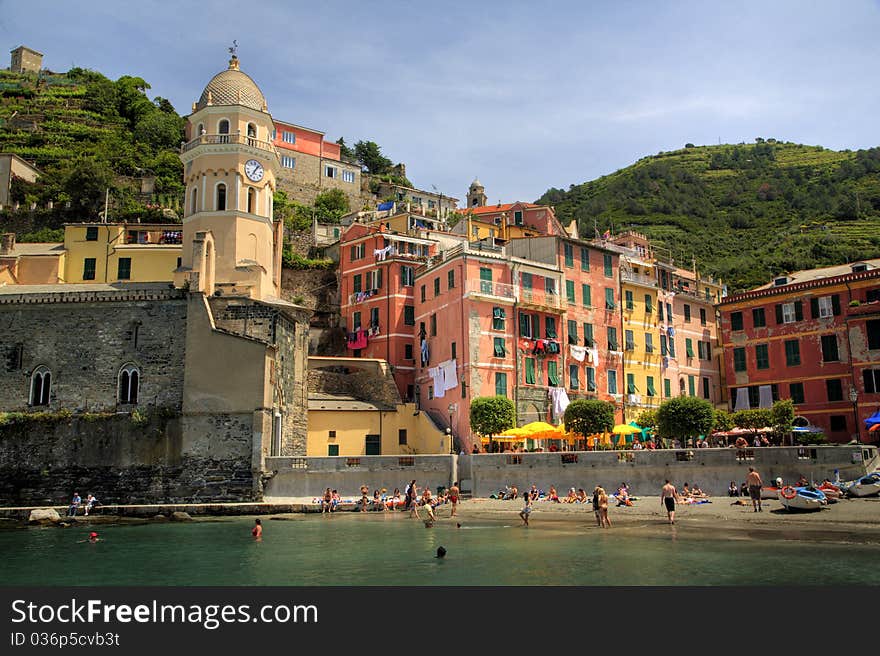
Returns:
<point x="745" y="212"/>
<point x="88" y="134"/>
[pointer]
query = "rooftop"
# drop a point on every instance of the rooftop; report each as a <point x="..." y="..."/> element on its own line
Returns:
<point x="808" y="275"/>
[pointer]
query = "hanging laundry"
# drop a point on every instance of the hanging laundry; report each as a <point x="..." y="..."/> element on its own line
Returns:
<point x="382" y="253"/>
<point x="436" y="374"/>
<point x="525" y="344"/>
<point x="552" y="347"/>
<point x="742" y="399"/>
<point x="424" y="351"/>
<point x="593" y="354"/>
<point x="671" y="331"/>
<point x="765" y="396"/>
<point x="540" y="345"/>
<point x="577" y="352"/>
<point x="359" y="341"/>
<point x="450" y="375"/>
<point x="558" y="400"/>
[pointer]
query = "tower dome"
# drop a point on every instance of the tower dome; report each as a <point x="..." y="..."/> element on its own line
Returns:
<point x="232" y="87"/>
<point x="476" y="184"/>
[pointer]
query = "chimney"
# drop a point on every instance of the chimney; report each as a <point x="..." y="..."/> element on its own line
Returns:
<point x="7" y="243"/>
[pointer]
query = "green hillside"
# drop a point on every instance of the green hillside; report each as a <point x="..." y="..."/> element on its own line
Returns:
<point x="745" y="212"/>
<point x="87" y="134"/>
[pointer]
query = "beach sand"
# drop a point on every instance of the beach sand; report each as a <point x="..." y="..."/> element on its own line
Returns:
<point x="848" y="520"/>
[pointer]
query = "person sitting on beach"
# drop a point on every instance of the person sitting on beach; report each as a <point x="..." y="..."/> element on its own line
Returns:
<point x="733" y="490"/>
<point x="552" y="495"/>
<point x="395" y="498"/>
<point x="802" y="481"/>
<point x="582" y="496"/>
<point x="623" y="496"/>
<point x="510" y="493"/>
<point x="365" y="500"/>
<point x="572" y="496"/>
<point x="686" y="491"/>
<point x="697" y="493"/>
<point x="335" y="501"/>
<point x="744" y="490"/>
<point x="75" y="503"/>
<point x="636" y="444"/>
<point x="534" y="493"/>
<point x="327" y="502"/>
<point x="378" y="503"/>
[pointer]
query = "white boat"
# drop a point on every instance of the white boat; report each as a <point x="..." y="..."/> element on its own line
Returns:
<point x="802" y="498"/>
<point x="865" y="486"/>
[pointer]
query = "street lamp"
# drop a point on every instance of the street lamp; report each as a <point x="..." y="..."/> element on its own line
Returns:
<point x="452" y="408"/>
<point x="854" y="398"/>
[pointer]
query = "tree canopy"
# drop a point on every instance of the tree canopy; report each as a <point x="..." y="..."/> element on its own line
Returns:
<point x="589" y="416"/>
<point x="490" y="415"/>
<point x="685" y="416"/>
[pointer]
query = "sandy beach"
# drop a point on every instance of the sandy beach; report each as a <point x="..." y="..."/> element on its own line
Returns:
<point x="848" y="520"/>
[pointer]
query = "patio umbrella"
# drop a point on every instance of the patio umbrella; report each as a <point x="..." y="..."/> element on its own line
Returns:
<point x="626" y="429"/>
<point x="875" y="427"/>
<point x="873" y="420"/>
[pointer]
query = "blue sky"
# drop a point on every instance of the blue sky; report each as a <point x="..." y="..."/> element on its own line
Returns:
<point x="524" y="95"/>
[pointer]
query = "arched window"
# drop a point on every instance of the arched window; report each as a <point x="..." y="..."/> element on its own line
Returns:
<point x="129" y="384"/>
<point x="252" y="201"/>
<point x="221" y="197"/>
<point x="41" y="386"/>
<point x="223" y="130"/>
<point x="201" y="129"/>
<point x="251" y="133"/>
<point x="681" y="386"/>
<point x="195" y="200"/>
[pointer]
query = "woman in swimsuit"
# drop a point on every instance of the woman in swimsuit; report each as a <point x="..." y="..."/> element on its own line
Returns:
<point x="527" y="508"/>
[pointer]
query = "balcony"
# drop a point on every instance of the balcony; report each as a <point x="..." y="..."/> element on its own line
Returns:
<point x="226" y="139"/>
<point x="638" y="279"/>
<point x="152" y="236"/>
<point x="490" y="289"/>
<point x="539" y="299"/>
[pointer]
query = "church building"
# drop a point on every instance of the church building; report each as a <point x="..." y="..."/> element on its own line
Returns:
<point x="158" y="392"/>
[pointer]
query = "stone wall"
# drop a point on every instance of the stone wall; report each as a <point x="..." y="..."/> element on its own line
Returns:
<point x="291" y="367"/>
<point x="84" y="339"/>
<point x="169" y="460"/>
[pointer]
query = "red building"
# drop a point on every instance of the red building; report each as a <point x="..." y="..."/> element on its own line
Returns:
<point x="811" y="336"/>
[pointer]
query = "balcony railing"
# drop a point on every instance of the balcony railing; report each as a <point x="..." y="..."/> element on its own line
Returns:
<point x="539" y="298"/>
<point x="491" y="288"/>
<point x="223" y="139"/>
<point x="638" y="278"/>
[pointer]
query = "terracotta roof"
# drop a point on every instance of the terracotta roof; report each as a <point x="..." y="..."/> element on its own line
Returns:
<point x="817" y="274"/>
<point x="490" y="209"/>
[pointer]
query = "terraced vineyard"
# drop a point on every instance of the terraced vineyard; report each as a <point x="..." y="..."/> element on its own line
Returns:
<point x="745" y="212"/>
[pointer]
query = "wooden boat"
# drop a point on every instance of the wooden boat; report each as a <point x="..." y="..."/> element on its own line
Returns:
<point x="802" y="498"/>
<point x="831" y="491"/>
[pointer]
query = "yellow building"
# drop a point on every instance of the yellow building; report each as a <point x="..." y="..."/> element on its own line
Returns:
<point x="346" y="426"/>
<point x="641" y="353"/>
<point x="30" y="264"/>
<point x="121" y="252"/>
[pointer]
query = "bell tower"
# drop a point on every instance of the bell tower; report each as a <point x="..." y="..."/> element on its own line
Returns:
<point x="476" y="196"/>
<point x="231" y="245"/>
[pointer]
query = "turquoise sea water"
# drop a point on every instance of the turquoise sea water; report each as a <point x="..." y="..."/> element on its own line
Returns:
<point x="365" y="549"/>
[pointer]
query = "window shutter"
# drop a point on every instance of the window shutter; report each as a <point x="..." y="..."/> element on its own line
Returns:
<point x="868" y="376"/>
<point x="835" y="304"/>
<point x="779" y="313"/>
<point x="814" y="308"/>
<point x="378" y="278"/>
<point x="798" y="311"/>
<point x="524" y="325"/>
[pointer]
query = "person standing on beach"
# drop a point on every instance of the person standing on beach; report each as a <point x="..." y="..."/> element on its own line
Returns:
<point x="754" y="482"/>
<point x="453" y="497"/>
<point x="668" y="495"/>
<point x="596" y="506"/>
<point x="604" y="522"/>
<point x="527" y="508"/>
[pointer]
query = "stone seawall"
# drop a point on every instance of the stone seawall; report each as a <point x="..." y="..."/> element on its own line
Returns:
<point x="122" y="462"/>
<point x="644" y="471"/>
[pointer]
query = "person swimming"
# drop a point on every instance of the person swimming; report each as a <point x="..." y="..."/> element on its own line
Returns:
<point x="441" y="552"/>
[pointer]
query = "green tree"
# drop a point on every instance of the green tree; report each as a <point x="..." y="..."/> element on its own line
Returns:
<point x="159" y="130"/>
<point x="346" y="153"/>
<point x="647" y="419"/>
<point x="490" y="415"/>
<point x="782" y="417"/>
<point x="369" y="155"/>
<point x="586" y="417"/>
<point x="331" y="205"/>
<point x="685" y="416"/>
<point x="87" y="184"/>
<point x="753" y="419"/>
<point x="723" y="421"/>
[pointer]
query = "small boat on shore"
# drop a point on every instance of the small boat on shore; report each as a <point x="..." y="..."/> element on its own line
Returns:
<point x="831" y="491"/>
<point x="770" y="492"/>
<point x="802" y="498"/>
<point x="865" y="486"/>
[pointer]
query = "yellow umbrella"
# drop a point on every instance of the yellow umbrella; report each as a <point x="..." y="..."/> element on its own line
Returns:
<point x="625" y="429"/>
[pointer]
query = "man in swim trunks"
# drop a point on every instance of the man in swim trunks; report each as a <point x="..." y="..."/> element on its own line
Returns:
<point x="754" y="482"/>
<point x="453" y="497"/>
<point x="668" y="495"/>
